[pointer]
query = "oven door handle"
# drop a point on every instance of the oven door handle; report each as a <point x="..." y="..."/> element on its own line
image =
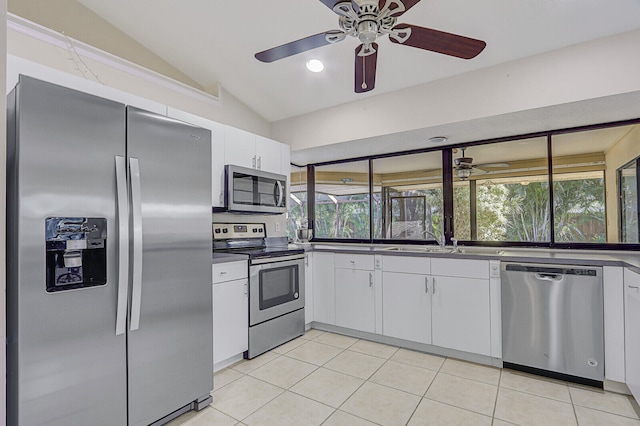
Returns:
<point x="277" y="259"/>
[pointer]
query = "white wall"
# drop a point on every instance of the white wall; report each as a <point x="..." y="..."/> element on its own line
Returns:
<point x="3" y="209"/>
<point x="46" y="47"/>
<point x="586" y="71"/>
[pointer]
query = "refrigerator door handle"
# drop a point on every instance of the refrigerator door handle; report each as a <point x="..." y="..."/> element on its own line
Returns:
<point x="136" y="207"/>
<point x="123" y="244"/>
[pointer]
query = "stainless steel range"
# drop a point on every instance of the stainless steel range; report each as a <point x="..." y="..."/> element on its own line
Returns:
<point x="276" y="283"/>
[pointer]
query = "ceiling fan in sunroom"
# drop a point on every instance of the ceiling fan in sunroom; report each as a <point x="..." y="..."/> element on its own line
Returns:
<point x="367" y="20"/>
<point x="464" y="166"/>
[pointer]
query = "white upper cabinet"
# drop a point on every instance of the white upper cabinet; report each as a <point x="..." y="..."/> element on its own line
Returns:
<point x="252" y="151"/>
<point x="268" y="155"/>
<point x="217" y="151"/>
<point x="240" y="147"/>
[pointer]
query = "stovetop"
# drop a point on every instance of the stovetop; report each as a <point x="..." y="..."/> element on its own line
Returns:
<point x="250" y="239"/>
<point x="262" y="252"/>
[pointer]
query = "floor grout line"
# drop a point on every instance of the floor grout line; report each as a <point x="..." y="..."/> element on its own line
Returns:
<point x="437" y="373"/>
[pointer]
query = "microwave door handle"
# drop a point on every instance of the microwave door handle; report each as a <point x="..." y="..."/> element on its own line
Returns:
<point x="123" y="244"/>
<point x="136" y="206"/>
<point x="279" y="191"/>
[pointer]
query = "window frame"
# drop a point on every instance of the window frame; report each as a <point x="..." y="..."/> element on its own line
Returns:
<point x="619" y="187"/>
<point x="448" y="213"/>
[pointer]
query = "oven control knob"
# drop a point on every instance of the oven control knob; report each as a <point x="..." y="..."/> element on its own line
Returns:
<point x="225" y="230"/>
<point x="295" y="295"/>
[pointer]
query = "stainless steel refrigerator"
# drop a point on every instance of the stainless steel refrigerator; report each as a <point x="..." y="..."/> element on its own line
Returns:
<point x="109" y="318"/>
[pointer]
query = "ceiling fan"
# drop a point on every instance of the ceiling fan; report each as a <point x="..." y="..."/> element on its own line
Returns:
<point x="367" y="20"/>
<point x="464" y="166"/>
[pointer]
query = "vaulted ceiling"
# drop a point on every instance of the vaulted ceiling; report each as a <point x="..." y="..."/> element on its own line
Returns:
<point x="214" y="41"/>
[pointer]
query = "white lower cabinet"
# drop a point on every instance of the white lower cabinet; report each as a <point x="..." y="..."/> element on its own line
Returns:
<point x="406" y="306"/>
<point x="461" y="314"/>
<point x="308" y="288"/>
<point x="230" y="311"/>
<point x="632" y="331"/>
<point x="355" y="299"/>
<point x="324" y="290"/>
<point x="452" y="312"/>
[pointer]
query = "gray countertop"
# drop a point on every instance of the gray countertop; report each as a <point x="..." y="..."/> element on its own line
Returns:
<point x="228" y="257"/>
<point x="630" y="259"/>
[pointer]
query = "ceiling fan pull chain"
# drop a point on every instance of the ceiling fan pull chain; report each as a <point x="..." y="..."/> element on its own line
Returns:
<point x="364" y="75"/>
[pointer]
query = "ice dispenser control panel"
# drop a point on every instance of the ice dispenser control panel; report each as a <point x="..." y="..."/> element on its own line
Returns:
<point x="76" y="252"/>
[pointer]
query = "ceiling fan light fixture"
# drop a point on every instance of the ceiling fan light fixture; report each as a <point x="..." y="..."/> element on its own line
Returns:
<point x="315" y="65"/>
<point x="438" y="139"/>
<point x="463" y="174"/>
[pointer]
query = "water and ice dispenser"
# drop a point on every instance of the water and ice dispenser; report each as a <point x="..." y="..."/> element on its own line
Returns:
<point x="76" y="251"/>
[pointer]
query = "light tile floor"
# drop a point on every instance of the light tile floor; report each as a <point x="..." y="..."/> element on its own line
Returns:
<point x="333" y="380"/>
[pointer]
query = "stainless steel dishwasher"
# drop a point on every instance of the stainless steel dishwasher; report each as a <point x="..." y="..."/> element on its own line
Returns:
<point x="552" y="321"/>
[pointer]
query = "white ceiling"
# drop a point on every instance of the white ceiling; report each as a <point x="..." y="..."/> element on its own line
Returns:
<point x="213" y="42"/>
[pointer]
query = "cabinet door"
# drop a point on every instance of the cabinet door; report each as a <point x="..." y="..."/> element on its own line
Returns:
<point x="230" y="319"/>
<point x="239" y="147"/>
<point x="355" y="301"/>
<point x="406" y="306"/>
<point x="268" y="155"/>
<point x="324" y="296"/>
<point x="308" y="291"/>
<point x="461" y="314"/>
<point x="632" y="331"/>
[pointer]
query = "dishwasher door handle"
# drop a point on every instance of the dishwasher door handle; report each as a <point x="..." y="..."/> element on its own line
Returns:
<point x="548" y="277"/>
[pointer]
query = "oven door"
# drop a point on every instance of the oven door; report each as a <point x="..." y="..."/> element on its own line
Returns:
<point x="276" y="287"/>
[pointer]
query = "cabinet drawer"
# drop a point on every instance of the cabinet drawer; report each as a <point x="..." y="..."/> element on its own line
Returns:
<point x="406" y="264"/>
<point x="465" y="268"/>
<point x="354" y="261"/>
<point x="229" y="271"/>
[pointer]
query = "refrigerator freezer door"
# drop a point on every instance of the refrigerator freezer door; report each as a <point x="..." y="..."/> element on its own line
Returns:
<point x="170" y="354"/>
<point x="66" y="365"/>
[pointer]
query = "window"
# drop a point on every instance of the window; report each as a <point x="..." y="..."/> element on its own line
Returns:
<point x="628" y="190"/>
<point x="408" y="198"/>
<point x="342" y="202"/>
<point x="297" y="213"/>
<point x="501" y="192"/>
<point x="570" y="188"/>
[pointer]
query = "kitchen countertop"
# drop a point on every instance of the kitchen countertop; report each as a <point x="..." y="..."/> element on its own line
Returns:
<point x="228" y="257"/>
<point x="532" y="255"/>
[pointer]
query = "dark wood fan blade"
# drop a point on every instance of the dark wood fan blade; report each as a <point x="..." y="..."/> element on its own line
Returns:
<point x="366" y="69"/>
<point x="408" y="4"/>
<point x="441" y="42"/>
<point x="294" y="47"/>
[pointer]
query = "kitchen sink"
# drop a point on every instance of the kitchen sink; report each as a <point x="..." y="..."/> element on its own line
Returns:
<point x="419" y="249"/>
<point x="487" y="251"/>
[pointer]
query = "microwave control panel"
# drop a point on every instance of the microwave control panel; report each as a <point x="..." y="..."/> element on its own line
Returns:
<point x="226" y="231"/>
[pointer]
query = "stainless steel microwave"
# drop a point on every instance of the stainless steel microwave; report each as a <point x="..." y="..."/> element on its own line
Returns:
<point x="254" y="191"/>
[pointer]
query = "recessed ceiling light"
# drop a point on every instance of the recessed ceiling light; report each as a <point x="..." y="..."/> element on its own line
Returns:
<point x="315" y="65"/>
<point x="438" y="139"/>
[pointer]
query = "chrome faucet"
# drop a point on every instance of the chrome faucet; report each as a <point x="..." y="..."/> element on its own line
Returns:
<point x="455" y="244"/>
<point x="439" y="238"/>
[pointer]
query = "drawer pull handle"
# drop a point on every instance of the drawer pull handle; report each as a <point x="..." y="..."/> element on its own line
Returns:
<point x="633" y="286"/>
<point x="223" y="272"/>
